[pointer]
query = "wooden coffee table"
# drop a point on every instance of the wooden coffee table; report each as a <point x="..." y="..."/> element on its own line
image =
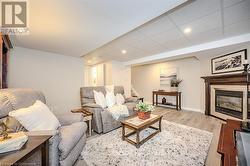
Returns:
<point x="137" y="125"/>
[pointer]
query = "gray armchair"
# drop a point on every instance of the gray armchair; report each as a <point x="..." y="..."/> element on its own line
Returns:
<point x="67" y="142"/>
<point x="103" y="121"/>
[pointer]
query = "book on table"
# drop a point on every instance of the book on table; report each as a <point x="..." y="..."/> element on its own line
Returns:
<point x="14" y="142"/>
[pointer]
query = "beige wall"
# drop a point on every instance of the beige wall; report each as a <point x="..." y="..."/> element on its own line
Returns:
<point x="146" y="78"/>
<point x="58" y="76"/>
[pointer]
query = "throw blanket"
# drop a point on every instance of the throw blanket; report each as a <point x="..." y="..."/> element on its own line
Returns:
<point x="118" y="111"/>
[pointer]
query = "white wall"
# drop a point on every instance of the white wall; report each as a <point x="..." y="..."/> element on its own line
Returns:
<point x="58" y="77"/>
<point x="121" y="76"/>
<point x="94" y="75"/>
<point x="146" y="78"/>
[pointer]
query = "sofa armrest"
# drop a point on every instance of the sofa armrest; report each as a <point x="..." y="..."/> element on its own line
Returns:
<point x="91" y="105"/>
<point x="97" y="119"/>
<point x="131" y="99"/>
<point x="69" y="118"/>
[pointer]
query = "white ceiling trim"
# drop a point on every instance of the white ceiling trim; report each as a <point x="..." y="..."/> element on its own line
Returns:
<point x="188" y="50"/>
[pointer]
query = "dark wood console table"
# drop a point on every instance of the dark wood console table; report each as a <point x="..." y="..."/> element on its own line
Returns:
<point x="165" y="93"/>
<point x="226" y="145"/>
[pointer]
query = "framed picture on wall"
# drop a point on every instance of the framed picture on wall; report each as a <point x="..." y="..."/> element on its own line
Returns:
<point x="232" y="62"/>
<point x="167" y="74"/>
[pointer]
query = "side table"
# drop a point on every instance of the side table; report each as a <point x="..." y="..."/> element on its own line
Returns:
<point x="87" y="117"/>
<point x="34" y="143"/>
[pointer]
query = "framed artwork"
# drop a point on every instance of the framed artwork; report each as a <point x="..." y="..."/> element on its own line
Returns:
<point x="229" y="63"/>
<point x="167" y="74"/>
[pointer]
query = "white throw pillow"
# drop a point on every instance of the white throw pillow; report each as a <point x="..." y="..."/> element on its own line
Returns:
<point x="110" y="99"/>
<point x="36" y="117"/>
<point x="100" y="99"/>
<point x="109" y="88"/>
<point x="119" y="99"/>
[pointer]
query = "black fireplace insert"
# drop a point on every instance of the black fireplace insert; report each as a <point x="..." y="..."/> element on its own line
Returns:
<point x="229" y="103"/>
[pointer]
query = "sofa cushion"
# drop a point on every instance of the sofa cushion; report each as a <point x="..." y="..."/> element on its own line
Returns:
<point x="69" y="136"/>
<point x="36" y="117"/>
<point x="118" y="89"/>
<point x="22" y="98"/>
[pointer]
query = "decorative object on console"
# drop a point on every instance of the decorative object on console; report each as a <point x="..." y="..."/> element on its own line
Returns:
<point x="229" y="63"/>
<point x="175" y="84"/>
<point x="144" y="110"/>
<point x="163" y="100"/>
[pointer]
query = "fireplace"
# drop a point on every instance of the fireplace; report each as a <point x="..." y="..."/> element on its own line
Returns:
<point x="229" y="103"/>
<point x="226" y="96"/>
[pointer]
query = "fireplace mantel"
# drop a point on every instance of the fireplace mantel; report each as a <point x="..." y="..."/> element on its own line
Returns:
<point x="229" y="79"/>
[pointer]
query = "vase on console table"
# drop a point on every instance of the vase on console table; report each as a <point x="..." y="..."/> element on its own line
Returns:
<point x="175" y="84"/>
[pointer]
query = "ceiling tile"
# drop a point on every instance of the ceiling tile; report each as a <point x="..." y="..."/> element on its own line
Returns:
<point x="228" y="3"/>
<point x="207" y="36"/>
<point x="157" y="26"/>
<point x="237" y="13"/>
<point x="194" y="10"/>
<point x="237" y="28"/>
<point x="176" y="44"/>
<point x="147" y="45"/>
<point x="133" y="36"/>
<point x="167" y="36"/>
<point x="203" y="24"/>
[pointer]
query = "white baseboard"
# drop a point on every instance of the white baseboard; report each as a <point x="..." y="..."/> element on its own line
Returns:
<point x="184" y="108"/>
<point x="192" y="109"/>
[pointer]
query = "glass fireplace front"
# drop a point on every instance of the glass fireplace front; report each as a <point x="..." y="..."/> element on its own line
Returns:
<point x="229" y="103"/>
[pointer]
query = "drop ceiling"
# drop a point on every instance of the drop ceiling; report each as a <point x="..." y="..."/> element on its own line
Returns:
<point x="78" y="27"/>
<point x="209" y="20"/>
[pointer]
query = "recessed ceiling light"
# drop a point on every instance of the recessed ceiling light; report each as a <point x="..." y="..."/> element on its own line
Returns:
<point x="124" y="51"/>
<point x="187" y="30"/>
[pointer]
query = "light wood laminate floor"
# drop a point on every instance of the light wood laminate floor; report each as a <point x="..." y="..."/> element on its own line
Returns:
<point x="192" y="119"/>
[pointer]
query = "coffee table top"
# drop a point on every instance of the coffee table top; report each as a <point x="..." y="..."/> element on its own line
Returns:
<point x="135" y="122"/>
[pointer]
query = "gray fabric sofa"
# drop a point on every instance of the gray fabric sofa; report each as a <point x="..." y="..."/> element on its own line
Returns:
<point x="66" y="143"/>
<point x="103" y="121"/>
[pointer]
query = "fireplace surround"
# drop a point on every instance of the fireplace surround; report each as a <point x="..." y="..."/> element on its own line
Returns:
<point x="226" y="96"/>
